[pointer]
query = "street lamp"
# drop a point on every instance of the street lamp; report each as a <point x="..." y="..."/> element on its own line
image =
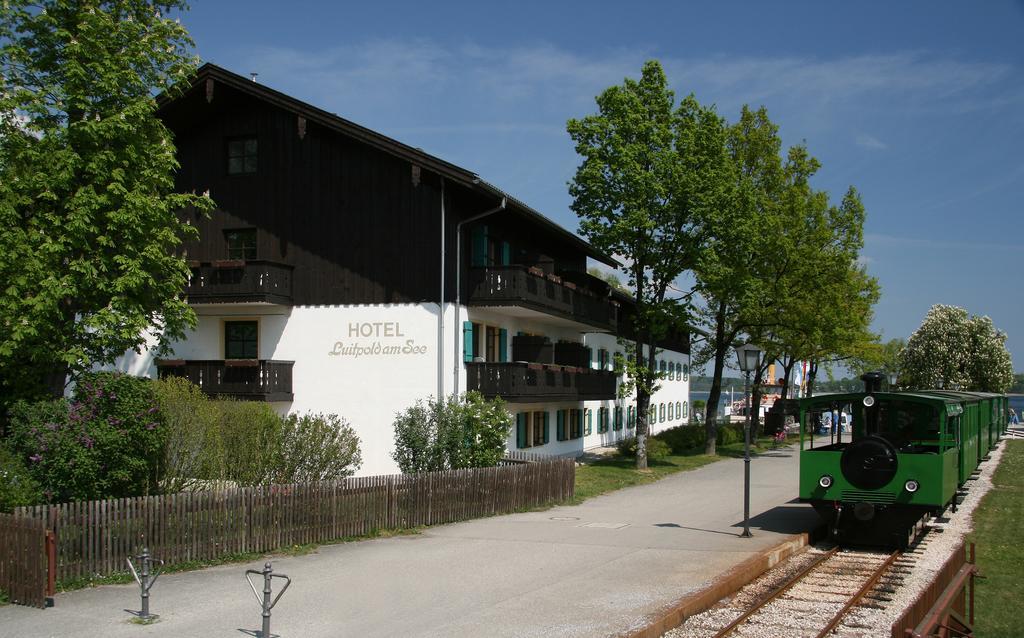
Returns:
<point x="892" y="380"/>
<point x="749" y="357"/>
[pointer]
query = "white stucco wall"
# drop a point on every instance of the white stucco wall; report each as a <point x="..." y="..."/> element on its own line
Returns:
<point x="368" y="362"/>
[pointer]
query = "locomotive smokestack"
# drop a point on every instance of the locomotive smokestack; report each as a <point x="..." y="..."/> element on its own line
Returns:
<point x="872" y="381"/>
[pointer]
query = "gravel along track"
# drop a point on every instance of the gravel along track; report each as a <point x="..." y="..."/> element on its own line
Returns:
<point x="814" y="603"/>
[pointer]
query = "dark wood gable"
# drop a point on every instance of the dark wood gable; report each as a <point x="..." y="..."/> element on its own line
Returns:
<point x="359" y="225"/>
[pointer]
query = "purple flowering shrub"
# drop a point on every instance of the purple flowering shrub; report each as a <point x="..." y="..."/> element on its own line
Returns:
<point x="105" y="442"/>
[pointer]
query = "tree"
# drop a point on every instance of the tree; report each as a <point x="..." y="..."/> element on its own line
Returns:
<point x="952" y="349"/>
<point x="651" y="174"/>
<point x="89" y="220"/>
<point x="729" y="269"/>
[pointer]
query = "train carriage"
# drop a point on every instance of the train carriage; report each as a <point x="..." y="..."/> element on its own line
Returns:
<point x="904" y="457"/>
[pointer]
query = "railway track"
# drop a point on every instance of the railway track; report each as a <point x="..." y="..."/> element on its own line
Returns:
<point x="819" y="599"/>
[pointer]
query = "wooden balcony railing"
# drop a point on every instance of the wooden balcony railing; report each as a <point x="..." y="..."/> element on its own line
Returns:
<point x="257" y="380"/>
<point x="531" y="288"/>
<point x="526" y="382"/>
<point x="238" y="281"/>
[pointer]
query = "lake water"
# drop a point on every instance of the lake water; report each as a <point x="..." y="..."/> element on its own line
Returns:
<point x="1016" y="400"/>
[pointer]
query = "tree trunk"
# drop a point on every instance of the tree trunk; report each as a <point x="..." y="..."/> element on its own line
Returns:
<point x="756" y="394"/>
<point x="812" y="371"/>
<point x="643" y="400"/>
<point x="787" y="369"/>
<point x="711" y="410"/>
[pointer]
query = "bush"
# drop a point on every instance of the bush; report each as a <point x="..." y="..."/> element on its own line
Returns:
<point x="246" y="442"/>
<point x="105" y="443"/>
<point x="683" y="438"/>
<point x="727" y="435"/>
<point x="656" y="448"/>
<point x="316" y="448"/>
<point x="452" y="433"/>
<point x="17" y="487"/>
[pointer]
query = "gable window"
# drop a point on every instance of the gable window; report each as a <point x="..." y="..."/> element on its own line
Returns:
<point x="241" y="243"/>
<point x="241" y="340"/>
<point x="242" y="156"/>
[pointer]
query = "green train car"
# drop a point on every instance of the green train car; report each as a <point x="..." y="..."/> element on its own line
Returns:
<point x="904" y="455"/>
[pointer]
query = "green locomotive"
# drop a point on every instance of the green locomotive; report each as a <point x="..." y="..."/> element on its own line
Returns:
<point x="902" y="456"/>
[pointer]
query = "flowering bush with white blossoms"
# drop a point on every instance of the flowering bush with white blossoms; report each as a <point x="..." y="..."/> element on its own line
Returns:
<point x="952" y="349"/>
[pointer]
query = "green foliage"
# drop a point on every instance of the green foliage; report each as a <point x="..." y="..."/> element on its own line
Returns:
<point x="683" y="439"/>
<point x="89" y="225"/>
<point x="452" y="433"/>
<point x="956" y="350"/>
<point x="657" y="449"/>
<point x="316" y="447"/>
<point x="104" y="443"/>
<point x="650" y="177"/>
<point x="221" y="441"/>
<point x="728" y="435"/>
<point x="17" y="487"/>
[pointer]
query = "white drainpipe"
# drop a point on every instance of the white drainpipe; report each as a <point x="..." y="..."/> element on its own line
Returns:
<point x="458" y="280"/>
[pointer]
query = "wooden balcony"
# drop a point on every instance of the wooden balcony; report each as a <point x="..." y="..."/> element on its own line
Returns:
<point x="238" y="281"/>
<point x="532" y="288"/>
<point x="252" y="379"/>
<point x="532" y="382"/>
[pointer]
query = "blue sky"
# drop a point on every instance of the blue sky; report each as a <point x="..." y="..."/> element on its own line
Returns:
<point x="920" y="105"/>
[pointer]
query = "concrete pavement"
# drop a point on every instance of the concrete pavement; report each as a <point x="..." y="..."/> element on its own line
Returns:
<point x="602" y="568"/>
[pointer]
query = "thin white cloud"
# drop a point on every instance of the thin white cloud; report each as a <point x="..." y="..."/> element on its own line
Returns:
<point x="870" y="142"/>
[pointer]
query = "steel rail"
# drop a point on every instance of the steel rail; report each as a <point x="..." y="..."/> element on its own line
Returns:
<point x="868" y="586"/>
<point x="793" y="580"/>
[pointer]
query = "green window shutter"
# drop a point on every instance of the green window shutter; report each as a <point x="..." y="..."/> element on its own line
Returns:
<point x="618" y="418"/>
<point x="479" y="245"/>
<point x="592" y="356"/>
<point x="506" y="254"/>
<point x="467" y="340"/>
<point x="590" y="422"/>
<point x="560" y="425"/>
<point x="521" y="430"/>
<point x="502" y="345"/>
<point x="546" y="427"/>
<point x="631" y="417"/>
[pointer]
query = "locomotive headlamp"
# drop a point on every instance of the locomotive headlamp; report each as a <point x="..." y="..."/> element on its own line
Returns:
<point x="911" y="486"/>
<point x="869" y="401"/>
<point x="826" y="481"/>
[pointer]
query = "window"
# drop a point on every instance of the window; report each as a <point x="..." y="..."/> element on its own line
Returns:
<point x="686" y="372"/>
<point x="671" y="412"/>
<point x="602" y="420"/>
<point x="631" y="417"/>
<point x="241" y="243"/>
<point x="602" y="359"/>
<point x="618" y="418"/>
<point x="661" y="413"/>
<point x="686" y="409"/>
<point x="575" y="423"/>
<point x="590" y="422"/>
<point x="679" y="410"/>
<point x="241" y="340"/>
<point x="492" y="349"/>
<point x="679" y="372"/>
<point x="484" y="343"/>
<point x="242" y="156"/>
<point x="531" y="429"/>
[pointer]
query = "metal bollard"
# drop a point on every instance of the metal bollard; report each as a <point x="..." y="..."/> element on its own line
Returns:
<point x="145" y="579"/>
<point x="266" y="604"/>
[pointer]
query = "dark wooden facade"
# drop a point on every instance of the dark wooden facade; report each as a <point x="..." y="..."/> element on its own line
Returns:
<point x="357" y="215"/>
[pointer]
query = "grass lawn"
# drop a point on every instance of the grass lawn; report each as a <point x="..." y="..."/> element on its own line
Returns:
<point x="1000" y="550"/>
<point x="617" y="472"/>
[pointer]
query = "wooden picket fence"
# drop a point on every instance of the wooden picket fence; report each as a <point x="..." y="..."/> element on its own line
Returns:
<point x="23" y="562"/>
<point x="95" y="538"/>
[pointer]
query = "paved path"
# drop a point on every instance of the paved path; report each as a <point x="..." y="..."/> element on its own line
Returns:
<point x="596" y="569"/>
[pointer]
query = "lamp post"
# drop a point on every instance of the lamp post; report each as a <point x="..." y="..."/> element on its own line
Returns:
<point x="892" y="380"/>
<point x="749" y="357"/>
